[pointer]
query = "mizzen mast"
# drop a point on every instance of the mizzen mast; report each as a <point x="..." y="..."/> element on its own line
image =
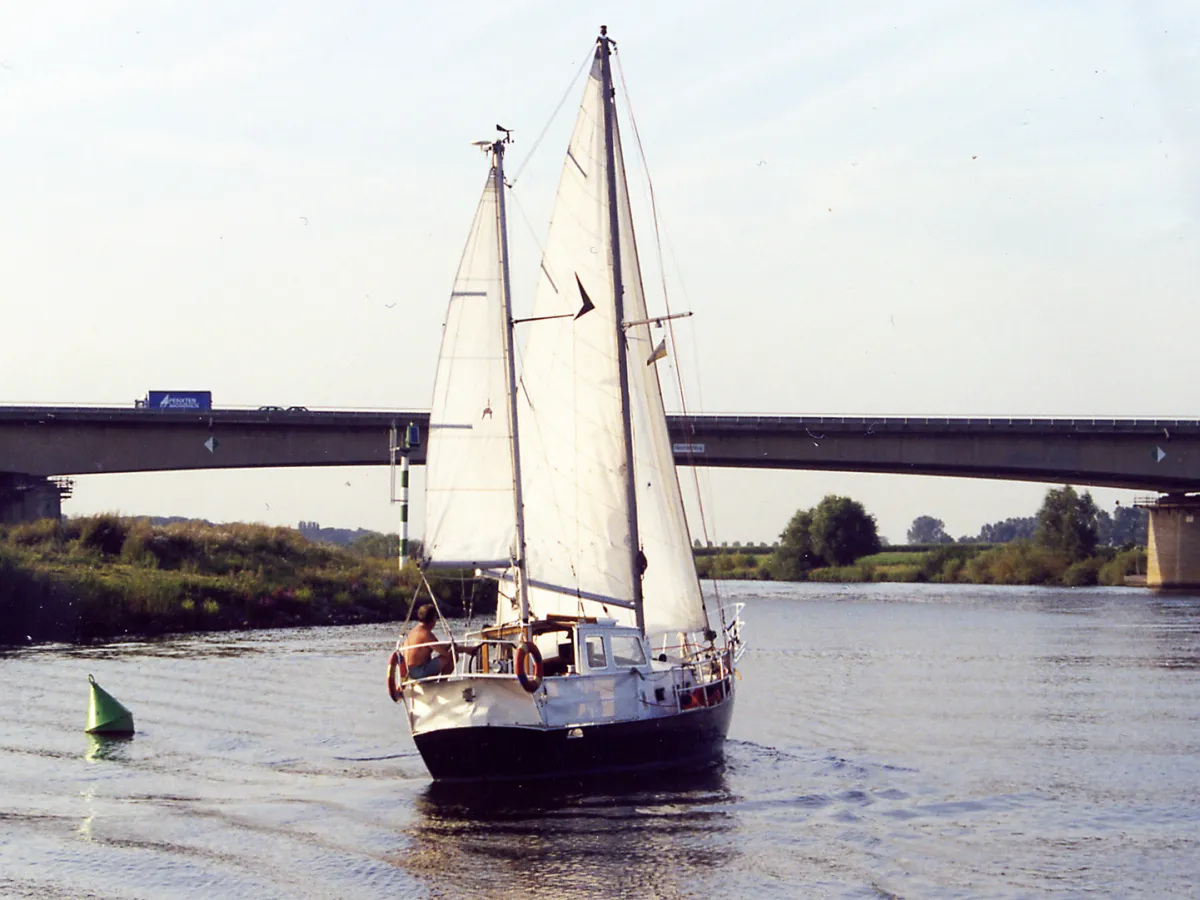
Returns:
<point x="510" y="360"/>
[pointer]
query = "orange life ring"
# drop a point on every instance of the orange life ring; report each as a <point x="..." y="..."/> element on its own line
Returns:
<point x="524" y="652"/>
<point x="396" y="663"/>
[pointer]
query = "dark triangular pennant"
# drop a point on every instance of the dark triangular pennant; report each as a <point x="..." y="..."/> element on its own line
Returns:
<point x="588" y="305"/>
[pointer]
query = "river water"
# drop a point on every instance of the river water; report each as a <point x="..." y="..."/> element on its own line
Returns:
<point x="888" y="741"/>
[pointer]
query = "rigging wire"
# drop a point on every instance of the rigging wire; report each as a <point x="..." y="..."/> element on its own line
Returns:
<point x="554" y="115"/>
<point x="666" y="299"/>
<point x="537" y="242"/>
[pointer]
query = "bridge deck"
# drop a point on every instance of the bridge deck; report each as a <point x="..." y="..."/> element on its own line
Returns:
<point x="1141" y="454"/>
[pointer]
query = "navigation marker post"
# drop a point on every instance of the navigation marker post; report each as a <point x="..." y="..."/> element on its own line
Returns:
<point x="211" y="444"/>
<point x="412" y="439"/>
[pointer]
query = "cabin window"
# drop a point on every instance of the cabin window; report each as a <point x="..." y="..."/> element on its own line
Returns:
<point x="595" y="652"/>
<point x="627" y="651"/>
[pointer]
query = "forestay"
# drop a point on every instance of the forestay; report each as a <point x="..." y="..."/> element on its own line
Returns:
<point x="569" y="406"/>
<point x="469" y="471"/>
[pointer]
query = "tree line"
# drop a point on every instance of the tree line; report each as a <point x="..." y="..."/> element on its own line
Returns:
<point x="1069" y="541"/>
<point x="1126" y="526"/>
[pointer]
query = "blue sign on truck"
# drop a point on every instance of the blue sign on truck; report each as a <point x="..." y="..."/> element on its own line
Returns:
<point x="186" y="400"/>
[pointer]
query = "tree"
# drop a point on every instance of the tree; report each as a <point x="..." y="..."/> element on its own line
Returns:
<point x="793" y="556"/>
<point x="1129" y="526"/>
<point x="1015" y="529"/>
<point x="836" y="532"/>
<point x="842" y="531"/>
<point x="928" y="530"/>
<point x="1067" y="522"/>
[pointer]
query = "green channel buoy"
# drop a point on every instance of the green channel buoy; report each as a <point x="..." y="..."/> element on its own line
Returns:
<point x="105" y="714"/>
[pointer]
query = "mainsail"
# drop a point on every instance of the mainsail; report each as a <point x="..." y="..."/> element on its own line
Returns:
<point x="469" y="472"/>
<point x="576" y="504"/>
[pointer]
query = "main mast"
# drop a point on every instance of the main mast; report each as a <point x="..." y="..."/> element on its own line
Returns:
<point x="511" y="398"/>
<point x="607" y="96"/>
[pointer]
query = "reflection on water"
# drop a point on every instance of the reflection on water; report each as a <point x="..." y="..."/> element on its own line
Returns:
<point x="443" y="802"/>
<point x="889" y="740"/>
<point x="108" y="748"/>
<point x="649" y="835"/>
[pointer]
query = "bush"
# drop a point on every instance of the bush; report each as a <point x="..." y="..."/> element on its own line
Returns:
<point x="135" y="549"/>
<point x="1083" y="573"/>
<point x="105" y="533"/>
<point x="1020" y="562"/>
<point x="1127" y="562"/>
<point x="37" y="533"/>
<point x="951" y="571"/>
<point x="946" y="562"/>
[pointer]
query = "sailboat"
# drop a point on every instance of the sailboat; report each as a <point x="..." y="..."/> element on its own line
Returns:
<point x="560" y="484"/>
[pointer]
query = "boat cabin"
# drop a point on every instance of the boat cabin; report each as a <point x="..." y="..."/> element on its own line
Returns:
<point x="568" y="645"/>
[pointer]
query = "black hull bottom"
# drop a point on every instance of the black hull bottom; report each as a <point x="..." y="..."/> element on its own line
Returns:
<point x="689" y="740"/>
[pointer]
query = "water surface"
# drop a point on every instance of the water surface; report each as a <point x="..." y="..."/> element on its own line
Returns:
<point x="889" y="740"/>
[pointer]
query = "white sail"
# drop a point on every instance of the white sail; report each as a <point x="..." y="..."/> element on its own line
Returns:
<point x="576" y="510"/>
<point x="469" y="504"/>
<point x="569" y="402"/>
<point x="673" y="601"/>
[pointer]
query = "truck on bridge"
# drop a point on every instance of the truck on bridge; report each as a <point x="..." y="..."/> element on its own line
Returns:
<point x="193" y="401"/>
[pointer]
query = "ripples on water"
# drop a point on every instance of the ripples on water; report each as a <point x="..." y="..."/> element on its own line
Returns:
<point x="889" y="740"/>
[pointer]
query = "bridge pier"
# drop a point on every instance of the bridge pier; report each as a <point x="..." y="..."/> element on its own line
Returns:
<point x="24" y="498"/>
<point x="1173" y="546"/>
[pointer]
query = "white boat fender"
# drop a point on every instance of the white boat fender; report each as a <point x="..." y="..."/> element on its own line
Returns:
<point x="525" y="652"/>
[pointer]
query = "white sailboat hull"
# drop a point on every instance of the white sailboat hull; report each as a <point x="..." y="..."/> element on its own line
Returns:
<point x="475" y="727"/>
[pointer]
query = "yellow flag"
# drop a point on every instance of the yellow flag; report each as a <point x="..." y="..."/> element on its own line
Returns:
<point x="660" y="352"/>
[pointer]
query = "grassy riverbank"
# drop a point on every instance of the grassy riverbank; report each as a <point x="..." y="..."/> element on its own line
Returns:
<point x="1018" y="562"/>
<point x="106" y="576"/>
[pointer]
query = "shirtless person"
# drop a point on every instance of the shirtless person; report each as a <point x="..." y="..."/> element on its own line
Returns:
<point x="422" y="661"/>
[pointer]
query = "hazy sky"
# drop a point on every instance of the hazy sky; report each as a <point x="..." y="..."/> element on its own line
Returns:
<point x="921" y="208"/>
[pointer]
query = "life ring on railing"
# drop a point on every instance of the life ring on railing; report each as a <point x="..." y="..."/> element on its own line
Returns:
<point x="524" y="652"/>
<point x="396" y="663"/>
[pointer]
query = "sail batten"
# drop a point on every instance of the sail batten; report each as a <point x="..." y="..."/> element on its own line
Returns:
<point x="484" y="564"/>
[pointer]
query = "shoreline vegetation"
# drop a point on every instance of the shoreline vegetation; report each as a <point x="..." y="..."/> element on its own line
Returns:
<point x="102" y="577"/>
<point x="1020" y="562"/>
<point x="1071" y="542"/>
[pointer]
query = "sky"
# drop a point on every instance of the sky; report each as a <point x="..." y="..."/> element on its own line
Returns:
<point x="874" y="208"/>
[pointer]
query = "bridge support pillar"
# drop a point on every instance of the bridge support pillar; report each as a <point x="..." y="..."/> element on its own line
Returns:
<point x="24" y="498"/>
<point x="1173" y="547"/>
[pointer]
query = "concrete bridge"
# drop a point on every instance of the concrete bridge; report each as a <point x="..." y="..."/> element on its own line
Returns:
<point x="41" y="444"/>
